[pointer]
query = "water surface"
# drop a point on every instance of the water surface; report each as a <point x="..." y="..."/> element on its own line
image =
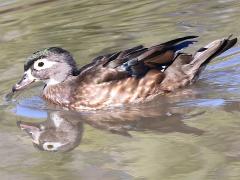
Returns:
<point x="191" y="134"/>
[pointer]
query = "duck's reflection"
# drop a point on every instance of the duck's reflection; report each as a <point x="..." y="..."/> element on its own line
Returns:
<point x="60" y="132"/>
<point x="63" y="130"/>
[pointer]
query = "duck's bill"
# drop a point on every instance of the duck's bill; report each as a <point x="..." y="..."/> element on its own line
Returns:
<point x="25" y="81"/>
<point x="28" y="126"/>
<point x="32" y="129"/>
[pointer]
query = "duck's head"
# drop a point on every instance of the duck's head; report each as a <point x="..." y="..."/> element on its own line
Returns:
<point x="52" y="66"/>
<point x="54" y="135"/>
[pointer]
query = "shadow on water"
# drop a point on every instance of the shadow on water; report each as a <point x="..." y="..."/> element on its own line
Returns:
<point x="63" y="130"/>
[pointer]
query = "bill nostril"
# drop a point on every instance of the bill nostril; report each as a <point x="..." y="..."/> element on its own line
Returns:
<point x="24" y="77"/>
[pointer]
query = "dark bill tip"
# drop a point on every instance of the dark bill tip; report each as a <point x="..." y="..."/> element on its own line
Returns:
<point x="14" y="88"/>
<point x="24" y="82"/>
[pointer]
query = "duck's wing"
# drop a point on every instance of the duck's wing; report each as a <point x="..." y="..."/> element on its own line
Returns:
<point x="136" y="61"/>
<point x="186" y="68"/>
<point x="156" y="57"/>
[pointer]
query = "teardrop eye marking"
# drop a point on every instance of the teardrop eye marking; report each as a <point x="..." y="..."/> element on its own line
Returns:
<point x="43" y="64"/>
<point x="52" y="146"/>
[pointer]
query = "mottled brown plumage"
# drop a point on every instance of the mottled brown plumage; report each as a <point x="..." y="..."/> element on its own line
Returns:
<point x="131" y="76"/>
<point x="76" y="93"/>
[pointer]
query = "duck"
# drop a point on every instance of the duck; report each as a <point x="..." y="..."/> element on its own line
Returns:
<point x="127" y="77"/>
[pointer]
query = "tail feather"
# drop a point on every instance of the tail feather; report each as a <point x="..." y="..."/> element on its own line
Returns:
<point x="186" y="68"/>
<point x="180" y="46"/>
<point x="229" y="43"/>
<point x="175" y="41"/>
<point x="204" y="55"/>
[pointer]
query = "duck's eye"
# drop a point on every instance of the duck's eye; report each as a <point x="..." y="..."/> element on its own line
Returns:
<point x="52" y="146"/>
<point x="49" y="146"/>
<point x="43" y="64"/>
<point x="40" y="64"/>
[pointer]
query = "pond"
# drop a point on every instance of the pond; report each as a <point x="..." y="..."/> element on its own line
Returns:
<point x="192" y="133"/>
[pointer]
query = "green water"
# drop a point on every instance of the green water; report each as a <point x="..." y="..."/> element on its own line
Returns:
<point x="191" y="134"/>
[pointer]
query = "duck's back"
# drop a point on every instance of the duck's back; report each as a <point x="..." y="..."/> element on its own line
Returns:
<point x="127" y="90"/>
<point x="138" y="74"/>
<point x="128" y="76"/>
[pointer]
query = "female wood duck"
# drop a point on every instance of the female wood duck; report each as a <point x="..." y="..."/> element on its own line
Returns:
<point x="130" y="76"/>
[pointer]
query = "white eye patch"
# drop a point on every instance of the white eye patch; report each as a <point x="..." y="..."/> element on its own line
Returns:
<point x="30" y="76"/>
<point x="52" y="146"/>
<point x="43" y="64"/>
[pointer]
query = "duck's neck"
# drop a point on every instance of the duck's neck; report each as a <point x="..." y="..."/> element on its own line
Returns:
<point x="58" y="92"/>
<point x="52" y="82"/>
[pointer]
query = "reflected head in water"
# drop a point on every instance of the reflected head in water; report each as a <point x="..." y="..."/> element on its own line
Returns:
<point x="58" y="133"/>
